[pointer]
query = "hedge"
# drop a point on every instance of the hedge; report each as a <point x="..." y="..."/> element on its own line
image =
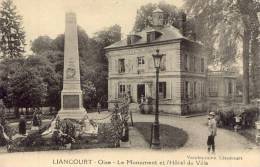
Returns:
<point x="225" y="116"/>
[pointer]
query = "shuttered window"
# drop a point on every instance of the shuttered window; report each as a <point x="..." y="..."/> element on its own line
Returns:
<point x="121" y="65"/>
<point x="202" y="65"/>
<point x="121" y="90"/>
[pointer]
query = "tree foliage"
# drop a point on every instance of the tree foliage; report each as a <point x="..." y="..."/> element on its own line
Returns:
<point x="23" y="83"/>
<point x="44" y="69"/>
<point x="224" y="26"/>
<point x="12" y="35"/>
<point x="219" y="28"/>
<point x="41" y="44"/>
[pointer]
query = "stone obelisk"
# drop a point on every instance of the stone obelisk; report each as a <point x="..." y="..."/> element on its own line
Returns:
<point x="71" y="95"/>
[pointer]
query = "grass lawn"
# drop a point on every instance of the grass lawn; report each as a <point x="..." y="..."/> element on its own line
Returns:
<point x="248" y="133"/>
<point x="171" y="137"/>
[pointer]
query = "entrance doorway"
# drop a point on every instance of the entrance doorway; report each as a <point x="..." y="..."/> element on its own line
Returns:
<point x="140" y="91"/>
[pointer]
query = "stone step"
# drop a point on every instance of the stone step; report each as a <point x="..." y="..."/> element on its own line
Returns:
<point x="72" y="114"/>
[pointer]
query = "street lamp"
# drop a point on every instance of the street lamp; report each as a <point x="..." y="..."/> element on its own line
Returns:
<point x="257" y="123"/>
<point x="156" y="126"/>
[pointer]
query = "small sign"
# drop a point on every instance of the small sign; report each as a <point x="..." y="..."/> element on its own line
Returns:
<point x="70" y="101"/>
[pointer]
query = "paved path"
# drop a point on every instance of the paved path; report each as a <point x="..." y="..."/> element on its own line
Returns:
<point x="197" y="131"/>
<point x="137" y="140"/>
<point x="196" y="128"/>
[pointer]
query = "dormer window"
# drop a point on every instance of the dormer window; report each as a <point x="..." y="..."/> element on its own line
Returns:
<point x="152" y="35"/>
<point x="128" y="40"/>
<point x="132" y="38"/>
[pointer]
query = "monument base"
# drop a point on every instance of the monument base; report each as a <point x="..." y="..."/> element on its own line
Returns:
<point x="88" y="127"/>
<point x="77" y="114"/>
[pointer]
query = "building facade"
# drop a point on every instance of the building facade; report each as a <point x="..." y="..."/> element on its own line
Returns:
<point x="221" y="88"/>
<point x="183" y="73"/>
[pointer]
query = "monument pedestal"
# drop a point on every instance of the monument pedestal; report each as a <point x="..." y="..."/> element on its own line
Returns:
<point x="71" y="105"/>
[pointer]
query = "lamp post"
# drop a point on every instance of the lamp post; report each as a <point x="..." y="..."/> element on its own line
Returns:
<point x="156" y="126"/>
<point x="257" y="123"/>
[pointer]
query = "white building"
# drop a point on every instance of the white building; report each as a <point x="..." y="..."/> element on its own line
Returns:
<point x="182" y="83"/>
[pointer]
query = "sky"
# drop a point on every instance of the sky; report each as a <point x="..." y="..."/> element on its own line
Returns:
<point x="47" y="17"/>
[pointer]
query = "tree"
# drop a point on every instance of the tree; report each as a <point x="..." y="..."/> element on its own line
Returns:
<point x="248" y="10"/>
<point x="11" y="31"/>
<point x="8" y="67"/>
<point x="223" y="26"/>
<point x="50" y="78"/>
<point x="104" y="38"/>
<point x="30" y="82"/>
<point x="89" y="93"/>
<point x="218" y="27"/>
<point x="26" y="87"/>
<point x="41" y="44"/>
<point x="99" y="73"/>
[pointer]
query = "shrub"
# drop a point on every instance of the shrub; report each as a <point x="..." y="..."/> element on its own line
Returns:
<point x="33" y="140"/>
<point x="225" y="116"/>
<point x="119" y="124"/>
<point x="65" y="133"/>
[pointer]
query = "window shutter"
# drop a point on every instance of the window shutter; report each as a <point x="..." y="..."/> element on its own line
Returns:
<point x="150" y="63"/>
<point x="116" y="90"/>
<point x="198" y="89"/>
<point x="185" y="61"/>
<point x="127" y="69"/>
<point x="191" y="90"/>
<point x="163" y="63"/>
<point x="169" y="89"/>
<point x="201" y="89"/>
<point x="188" y="89"/>
<point x="188" y="63"/>
<point x="128" y="89"/>
<point x="136" y="65"/>
<point x="191" y="63"/>
<point x="130" y="64"/>
<point x="116" y="66"/>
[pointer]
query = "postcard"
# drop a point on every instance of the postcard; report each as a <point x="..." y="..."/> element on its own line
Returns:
<point x="129" y="83"/>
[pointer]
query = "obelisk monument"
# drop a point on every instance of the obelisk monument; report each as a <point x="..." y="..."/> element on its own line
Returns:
<point x="71" y="95"/>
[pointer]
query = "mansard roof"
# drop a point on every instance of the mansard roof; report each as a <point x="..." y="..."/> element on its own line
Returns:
<point x="167" y="32"/>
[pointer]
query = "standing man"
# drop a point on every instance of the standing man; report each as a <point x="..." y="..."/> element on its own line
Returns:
<point x="22" y="125"/>
<point x="98" y="107"/>
<point x="212" y="130"/>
